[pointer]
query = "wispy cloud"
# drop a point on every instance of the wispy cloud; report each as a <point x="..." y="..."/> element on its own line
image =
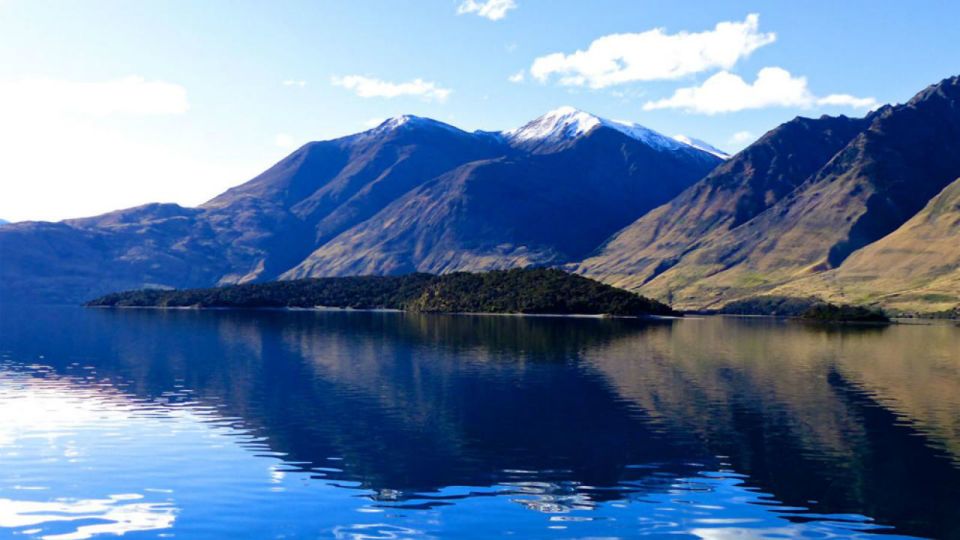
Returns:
<point x="653" y="55"/>
<point x="489" y="9"/>
<point x="741" y="138"/>
<point x="517" y="77"/>
<point x="129" y="95"/>
<point x="774" y="87"/>
<point x="297" y="83"/>
<point x="369" y="87"/>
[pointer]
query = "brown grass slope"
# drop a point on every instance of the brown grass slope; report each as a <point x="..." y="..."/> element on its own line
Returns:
<point x="915" y="268"/>
<point x="730" y="195"/>
<point x="878" y="181"/>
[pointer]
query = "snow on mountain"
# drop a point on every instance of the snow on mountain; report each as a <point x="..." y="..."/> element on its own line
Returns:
<point x="701" y="145"/>
<point x="409" y="121"/>
<point x="568" y="123"/>
<point x="557" y="125"/>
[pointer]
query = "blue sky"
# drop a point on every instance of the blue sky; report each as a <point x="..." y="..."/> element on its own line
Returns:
<point x="107" y="104"/>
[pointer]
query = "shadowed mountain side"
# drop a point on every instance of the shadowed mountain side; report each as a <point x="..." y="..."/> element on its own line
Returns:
<point x="269" y="225"/>
<point x="333" y="185"/>
<point x="547" y="208"/>
<point x="915" y="268"/>
<point x="878" y="181"/>
<point x="733" y="193"/>
<point x="152" y="245"/>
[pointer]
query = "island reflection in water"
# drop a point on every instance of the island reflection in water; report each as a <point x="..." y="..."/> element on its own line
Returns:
<point x="385" y="425"/>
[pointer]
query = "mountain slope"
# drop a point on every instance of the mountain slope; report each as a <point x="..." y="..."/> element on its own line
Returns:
<point x="732" y="194"/>
<point x="878" y="181"/>
<point x="584" y="181"/>
<point x="914" y="268"/>
<point x="328" y="190"/>
<point x="326" y="187"/>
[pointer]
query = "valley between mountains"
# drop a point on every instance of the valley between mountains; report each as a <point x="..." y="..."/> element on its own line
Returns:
<point x="854" y="210"/>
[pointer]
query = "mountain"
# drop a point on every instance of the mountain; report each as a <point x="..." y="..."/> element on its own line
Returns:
<point x="572" y="181"/>
<point x="914" y="268"/>
<point x="410" y="194"/>
<point x="732" y="194"/>
<point x="705" y="146"/>
<point x="802" y="212"/>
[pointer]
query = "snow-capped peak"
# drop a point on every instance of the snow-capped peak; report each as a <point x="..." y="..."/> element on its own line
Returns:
<point x="568" y="123"/>
<point x="408" y="120"/>
<point x="701" y="145"/>
<point x="557" y="125"/>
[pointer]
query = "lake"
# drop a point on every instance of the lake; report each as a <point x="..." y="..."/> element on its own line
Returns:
<point x="286" y="424"/>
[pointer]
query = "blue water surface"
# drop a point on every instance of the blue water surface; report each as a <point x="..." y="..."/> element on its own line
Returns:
<point x="275" y="424"/>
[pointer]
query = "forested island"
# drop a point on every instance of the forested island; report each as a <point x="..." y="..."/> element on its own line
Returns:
<point x="530" y="291"/>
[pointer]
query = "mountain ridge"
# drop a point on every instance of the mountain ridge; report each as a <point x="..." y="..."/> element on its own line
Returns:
<point x="881" y="177"/>
<point x="814" y="207"/>
<point x="265" y="227"/>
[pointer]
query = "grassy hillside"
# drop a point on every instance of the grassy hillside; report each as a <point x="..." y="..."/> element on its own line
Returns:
<point x="914" y="269"/>
<point x="537" y="290"/>
<point x="754" y="230"/>
<point x="735" y="192"/>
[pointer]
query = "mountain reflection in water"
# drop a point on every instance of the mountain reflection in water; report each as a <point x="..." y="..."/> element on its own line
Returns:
<point x="396" y="425"/>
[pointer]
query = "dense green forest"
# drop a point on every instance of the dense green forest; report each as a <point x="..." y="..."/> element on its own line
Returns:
<point x="810" y="308"/>
<point x="844" y="313"/>
<point x="536" y="290"/>
<point x="781" y="306"/>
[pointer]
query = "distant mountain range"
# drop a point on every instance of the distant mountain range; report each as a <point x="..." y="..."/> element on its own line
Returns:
<point x="859" y="210"/>
<point x="412" y="194"/>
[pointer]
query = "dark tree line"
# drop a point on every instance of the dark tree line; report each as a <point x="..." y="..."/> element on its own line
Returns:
<point x="535" y="290"/>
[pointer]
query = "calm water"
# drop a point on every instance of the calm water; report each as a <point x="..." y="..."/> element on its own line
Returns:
<point x="226" y="424"/>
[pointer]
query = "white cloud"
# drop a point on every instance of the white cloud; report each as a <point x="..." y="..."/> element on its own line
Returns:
<point x="726" y="92"/>
<point x="846" y="100"/>
<point x="284" y="140"/>
<point x="93" y="167"/>
<point x="653" y="55"/>
<point x="81" y="148"/>
<point x="517" y="77"/>
<point x="774" y="87"/>
<point x="741" y="137"/>
<point x="129" y="95"/>
<point x="490" y="9"/>
<point x="292" y="82"/>
<point x="369" y="87"/>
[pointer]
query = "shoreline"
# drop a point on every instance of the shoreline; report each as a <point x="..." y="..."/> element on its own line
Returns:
<point x="333" y="309"/>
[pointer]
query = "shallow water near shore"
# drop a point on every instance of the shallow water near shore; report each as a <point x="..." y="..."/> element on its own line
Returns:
<point x="307" y="424"/>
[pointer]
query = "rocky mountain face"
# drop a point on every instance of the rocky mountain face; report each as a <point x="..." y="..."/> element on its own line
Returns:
<point x="411" y="194"/>
<point x="826" y="189"/>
